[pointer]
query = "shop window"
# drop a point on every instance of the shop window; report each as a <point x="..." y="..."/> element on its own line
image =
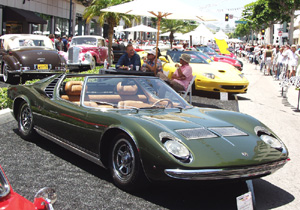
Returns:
<point x="13" y="27"/>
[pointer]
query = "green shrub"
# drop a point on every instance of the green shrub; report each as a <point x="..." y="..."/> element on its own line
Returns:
<point x="5" y="102"/>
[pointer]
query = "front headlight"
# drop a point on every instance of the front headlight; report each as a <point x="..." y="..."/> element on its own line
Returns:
<point x="177" y="149"/>
<point x="270" y="140"/>
<point x="87" y="56"/>
<point x="209" y="75"/>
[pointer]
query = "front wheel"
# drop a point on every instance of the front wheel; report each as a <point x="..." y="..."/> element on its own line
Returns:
<point x="93" y="63"/>
<point x="25" y="122"/>
<point x="125" y="165"/>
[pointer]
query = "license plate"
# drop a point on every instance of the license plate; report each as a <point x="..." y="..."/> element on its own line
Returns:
<point x="42" y="66"/>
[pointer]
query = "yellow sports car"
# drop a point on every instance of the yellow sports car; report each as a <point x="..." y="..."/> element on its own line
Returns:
<point x="211" y="76"/>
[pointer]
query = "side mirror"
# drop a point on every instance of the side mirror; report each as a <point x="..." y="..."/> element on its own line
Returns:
<point x="162" y="58"/>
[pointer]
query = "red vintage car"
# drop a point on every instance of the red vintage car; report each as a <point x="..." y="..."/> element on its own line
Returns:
<point x="10" y="200"/>
<point x="85" y="52"/>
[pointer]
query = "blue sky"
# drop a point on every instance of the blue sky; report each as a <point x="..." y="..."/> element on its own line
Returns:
<point x="218" y="8"/>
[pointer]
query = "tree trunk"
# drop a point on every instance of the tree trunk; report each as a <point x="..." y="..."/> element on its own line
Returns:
<point x="171" y="39"/>
<point x="111" y="25"/>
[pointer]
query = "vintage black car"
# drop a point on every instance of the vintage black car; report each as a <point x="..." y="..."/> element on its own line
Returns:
<point x="27" y="56"/>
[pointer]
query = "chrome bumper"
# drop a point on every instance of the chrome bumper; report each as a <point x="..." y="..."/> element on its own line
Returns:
<point x="226" y="173"/>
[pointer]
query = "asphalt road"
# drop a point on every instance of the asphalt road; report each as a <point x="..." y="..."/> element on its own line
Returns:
<point x="80" y="184"/>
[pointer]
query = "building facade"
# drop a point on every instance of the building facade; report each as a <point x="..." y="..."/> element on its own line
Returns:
<point x="45" y="17"/>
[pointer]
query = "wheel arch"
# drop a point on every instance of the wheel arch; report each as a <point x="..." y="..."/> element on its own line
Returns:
<point x="106" y="139"/>
<point x="11" y="61"/>
<point x="16" y="105"/>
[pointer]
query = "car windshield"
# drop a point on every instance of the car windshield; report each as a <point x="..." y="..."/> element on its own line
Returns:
<point x="196" y="57"/>
<point x="207" y="50"/>
<point x="16" y="42"/>
<point x="130" y="93"/>
<point x="84" y="41"/>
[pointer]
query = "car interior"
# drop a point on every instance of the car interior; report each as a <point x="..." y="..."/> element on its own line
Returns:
<point x="123" y="95"/>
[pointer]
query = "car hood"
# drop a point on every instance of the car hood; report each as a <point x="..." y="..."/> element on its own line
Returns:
<point x="222" y="71"/>
<point x="236" y="142"/>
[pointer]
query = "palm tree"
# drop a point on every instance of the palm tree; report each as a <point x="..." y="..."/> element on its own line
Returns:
<point x="112" y="18"/>
<point x="173" y="26"/>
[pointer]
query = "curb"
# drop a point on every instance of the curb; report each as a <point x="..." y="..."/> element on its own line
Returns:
<point x="5" y="111"/>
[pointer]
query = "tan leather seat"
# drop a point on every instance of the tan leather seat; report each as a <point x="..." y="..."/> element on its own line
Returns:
<point x="73" y="91"/>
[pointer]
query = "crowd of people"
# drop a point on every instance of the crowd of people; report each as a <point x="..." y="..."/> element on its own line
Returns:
<point x="277" y="61"/>
<point x="61" y="43"/>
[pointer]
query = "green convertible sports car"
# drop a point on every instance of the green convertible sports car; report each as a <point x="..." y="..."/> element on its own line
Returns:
<point x="142" y="130"/>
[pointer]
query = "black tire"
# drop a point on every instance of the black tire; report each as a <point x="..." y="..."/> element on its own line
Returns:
<point x="125" y="165"/>
<point x="25" y="122"/>
<point x="8" y="77"/>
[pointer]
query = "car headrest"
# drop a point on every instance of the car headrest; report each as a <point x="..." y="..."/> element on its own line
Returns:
<point x="73" y="88"/>
<point x="127" y="90"/>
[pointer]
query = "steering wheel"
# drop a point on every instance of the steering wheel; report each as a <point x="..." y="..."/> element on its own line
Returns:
<point x="170" y="103"/>
<point x="174" y="49"/>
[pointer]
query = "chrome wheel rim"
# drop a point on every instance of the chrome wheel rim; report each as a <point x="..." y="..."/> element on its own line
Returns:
<point x="26" y="119"/>
<point x="5" y="72"/>
<point x="123" y="159"/>
<point x="93" y="63"/>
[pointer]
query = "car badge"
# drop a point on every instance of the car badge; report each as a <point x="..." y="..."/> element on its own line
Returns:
<point x="41" y="59"/>
<point x="245" y="154"/>
<point x="40" y="53"/>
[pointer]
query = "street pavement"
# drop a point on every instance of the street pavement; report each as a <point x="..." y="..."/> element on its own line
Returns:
<point x="264" y="101"/>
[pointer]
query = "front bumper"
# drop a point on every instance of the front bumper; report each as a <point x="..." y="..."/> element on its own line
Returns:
<point x="249" y="172"/>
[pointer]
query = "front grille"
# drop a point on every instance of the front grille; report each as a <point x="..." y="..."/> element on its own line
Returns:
<point x="233" y="87"/>
<point x="73" y="54"/>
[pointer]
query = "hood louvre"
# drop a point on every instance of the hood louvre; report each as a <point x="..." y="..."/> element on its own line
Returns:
<point x="50" y="88"/>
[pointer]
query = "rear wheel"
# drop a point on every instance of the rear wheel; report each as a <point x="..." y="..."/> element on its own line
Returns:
<point x="25" y="122"/>
<point x="8" y="77"/>
<point x="125" y="165"/>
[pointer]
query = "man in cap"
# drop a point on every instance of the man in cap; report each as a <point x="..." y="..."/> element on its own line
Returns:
<point x="182" y="76"/>
<point x="149" y="63"/>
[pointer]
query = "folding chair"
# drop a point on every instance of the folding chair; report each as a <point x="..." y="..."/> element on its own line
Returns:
<point x="188" y="90"/>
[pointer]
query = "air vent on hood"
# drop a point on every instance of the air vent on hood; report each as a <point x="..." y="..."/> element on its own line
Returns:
<point x="50" y="88"/>
<point x="196" y="133"/>
<point x="228" y="131"/>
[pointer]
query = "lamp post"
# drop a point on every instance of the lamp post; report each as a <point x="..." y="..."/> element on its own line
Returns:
<point x="70" y="20"/>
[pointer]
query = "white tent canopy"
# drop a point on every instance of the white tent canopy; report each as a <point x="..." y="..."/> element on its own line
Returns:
<point x="199" y="36"/>
<point x="141" y="28"/>
<point x="221" y="35"/>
